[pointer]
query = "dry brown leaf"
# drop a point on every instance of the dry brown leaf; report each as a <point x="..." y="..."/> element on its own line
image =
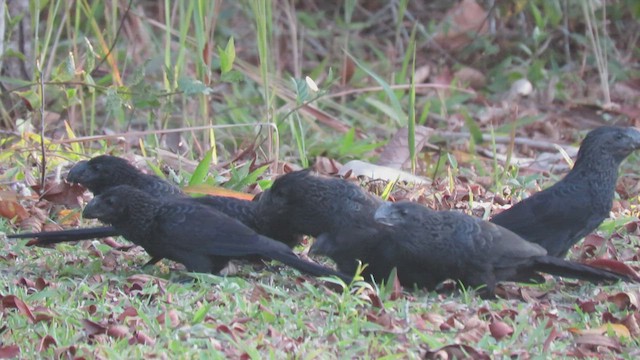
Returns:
<point x="422" y="74"/>
<point x="474" y="78"/>
<point x="396" y="293"/>
<point x="92" y="327"/>
<point x="9" y="351"/>
<point x="118" y="331"/>
<point x="347" y="70"/>
<point x="625" y="300"/>
<point x="396" y="153"/>
<point x="174" y="318"/>
<point x="62" y="193"/>
<point x="129" y="311"/>
<point x="12" y="301"/>
<point x="462" y="22"/>
<point x="631" y="322"/>
<point x="327" y="166"/>
<point x="596" y="340"/>
<point x="42" y="313"/>
<point x="474" y="329"/>
<point x="456" y="351"/>
<point x="45" y="343"/>
<point x="619" y="330"/>
<point x="11" y="209"/>
<point x="140" y="337"/>
<point x="615" y="266"/>
<point x="258" y="293"/>
<point x="499" y="329"/>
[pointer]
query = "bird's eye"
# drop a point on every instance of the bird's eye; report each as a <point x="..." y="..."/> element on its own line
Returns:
<point x="619" y="136"/>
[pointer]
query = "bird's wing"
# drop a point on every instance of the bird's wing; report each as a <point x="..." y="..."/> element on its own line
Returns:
<point x="559" y="212"/>
<point x="241" y="210"/>
<point x="200" y="229"/>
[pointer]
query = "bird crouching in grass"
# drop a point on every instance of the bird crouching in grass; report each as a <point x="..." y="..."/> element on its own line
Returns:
<point x="302" y="203"/>
<point x="104" y="172"/>
<point x="427" y="247"/>
<point x="560" y="216"/>
<point x="195" y="235"/>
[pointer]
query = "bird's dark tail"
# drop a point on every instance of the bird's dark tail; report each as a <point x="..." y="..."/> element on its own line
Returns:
<point x="284" y="254"/>
<point x="556" y="266"/>
<point x="55" y="237"/>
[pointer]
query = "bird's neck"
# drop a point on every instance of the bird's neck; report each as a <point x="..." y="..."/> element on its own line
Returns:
<point x="601" y="177"/>
<point x="141" y="215"/>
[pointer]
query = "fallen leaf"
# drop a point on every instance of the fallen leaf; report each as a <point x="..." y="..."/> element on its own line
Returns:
<point x="500" y="329"/>
<point x="174" y="318"/>
<point x="396" y="293"/>
<point x="598" y="340"/>
<point x="258" y="293"/>
<point x="618" y="329"/>
<point x="625" y="300"/>
<point x="11" y="210"/>
<point x="473" y="77"/>
<point x="615" y="266"/>
<point x="395" y="153"/>
<point x="129" y="311"/>
<point x="9" y="351"/>
<point x="139" y="337"/>
<point x="62" y="193"/>
<point x="361" y="168"/>
<point x="456" y="351"/>
<point x="462" y="23"/>
<point x="118" y="331"/>
<point x="45" y="343"/>
<point x="12" y="301"/>
<point x="93" y="328"/>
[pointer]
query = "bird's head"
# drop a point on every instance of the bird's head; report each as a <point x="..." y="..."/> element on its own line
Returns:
<point x="102" y="172"/>
<point x="611" y="141"/>
<point x="284" y="190"/>
<point x="115" y="204"/>
<point x="395" y="214"/>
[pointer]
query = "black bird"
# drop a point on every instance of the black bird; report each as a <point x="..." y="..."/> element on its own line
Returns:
<point x="561" y="215"/>
<point x="427" y="247"/>
<point x="302" y="203"/>
<point x="198" y="236"/>
<point x="103" y="172"/>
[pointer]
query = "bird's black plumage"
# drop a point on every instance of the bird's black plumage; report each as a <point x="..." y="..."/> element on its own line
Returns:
<point x="428" y="247"/>
<point x="302" y="203"/>
<point x="561" y="215"/>
<point x="105" y="171"/>
<point x="196" y="235"/>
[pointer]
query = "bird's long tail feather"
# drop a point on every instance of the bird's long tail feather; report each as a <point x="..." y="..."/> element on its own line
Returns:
<point x="55" y="237"/>
<point x="560" y="267"/>
<point x="288" y="257"/>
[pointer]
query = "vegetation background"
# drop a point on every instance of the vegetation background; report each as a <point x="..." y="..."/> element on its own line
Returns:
<point x="484" y="102"/>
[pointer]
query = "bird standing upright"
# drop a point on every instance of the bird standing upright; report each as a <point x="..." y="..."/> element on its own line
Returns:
<point x="558" y="217"/>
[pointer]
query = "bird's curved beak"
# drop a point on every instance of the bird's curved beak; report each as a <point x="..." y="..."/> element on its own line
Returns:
<point x="94" y="209"/>
<point x="386" y="214"/>
<point x="77" y="172"/>
<point x="634" y="134"/>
